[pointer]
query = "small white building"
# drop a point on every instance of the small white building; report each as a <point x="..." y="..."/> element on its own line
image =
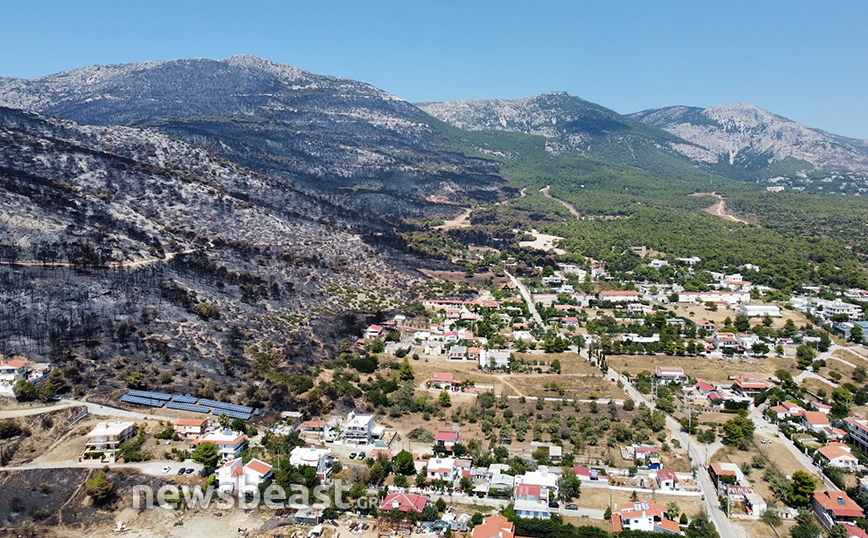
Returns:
<point x="494" y="359"/>
<point x="759" y="310"/>
<point x="13" y="371"/>
<point x="316" y="458"/>
<point x="108" y="436"/>
<point x="442" y="469"/>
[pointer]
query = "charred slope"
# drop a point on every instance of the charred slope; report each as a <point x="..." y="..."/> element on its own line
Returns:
<point x="345" y="141"/>
<point x="121" y="242"/>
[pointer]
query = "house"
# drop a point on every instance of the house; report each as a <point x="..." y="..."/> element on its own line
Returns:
<point x="548" y="482"/>
<point x="457" y="353"/>
<point x="834" y="507"/>
<point x="638" y="308"/>
<point x="586" y="474"/>
<point x="667" y="479"/>
<point x="750" y="385"/>
<point x="316" y="458"/>
<point x="495" y="359"/>
<point x="373" y="332"/>
<point x="442" y="380"/>
<point x="313" y="426"/>
<point x="359" y="428"/>
<point x="670" y="373"/>
<point x="443" y="469"/>
<point x="645" y="516"/>
<point x="447" y="439"/>
<point x="236" y="477"/>
<point x="106" y="437"/>
<point x="13" y="372"/>
<point x="404" y="502"/>
<point x="793" y="409"/>
<point x="473" y="353"/>
<point x="494" y="527"/>
<point x="723" y="474"/>
<point x="191" y="428"/>
<point x="725" y="341"/>
<point x="858" y="430"/>
<point x="705" y="388"/>
<point x="531" y="501"/>
<point x="705" y="324"/>
<point x="821" y="407"/>
<point x="619" y="296"/>
<point x="836" y="455"/>
<point x="570" y="321"/>
<point x="753" y="502"/>
<point x="230" y="443"/>
<point x="816" y="421"/>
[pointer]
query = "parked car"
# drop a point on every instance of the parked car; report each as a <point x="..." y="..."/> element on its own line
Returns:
<point x="553" y="504"/>
<point x="572" y="507"/>
<point x="190" y="470"/>
<point x="361" y="455"/>
<point x="182" y="470"/>
<point x="352" y="455"/>
<point x="166" y="469"/>
<point x="766" y="441"/>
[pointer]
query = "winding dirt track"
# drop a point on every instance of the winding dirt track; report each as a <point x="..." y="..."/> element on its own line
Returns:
<point x="545" y="190"/>
<point x="718" y="209"/>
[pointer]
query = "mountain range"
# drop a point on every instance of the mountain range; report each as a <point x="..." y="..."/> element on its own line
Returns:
<point x="167" y="209"/>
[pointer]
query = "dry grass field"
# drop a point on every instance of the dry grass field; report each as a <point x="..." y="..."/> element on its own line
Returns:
<point x="712" y="370"/>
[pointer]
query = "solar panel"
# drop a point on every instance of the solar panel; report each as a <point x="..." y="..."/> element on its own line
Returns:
<point x="227" y="406"/>
<point x="151" y="395"/>
<point x="188" y="407"/>
<point x="184" y="399"/>
<point x="142" y="401"/>
<point x="232" y="414"/>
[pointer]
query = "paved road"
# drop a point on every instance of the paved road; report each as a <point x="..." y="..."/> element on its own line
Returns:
<point x="92" y="408"/>
<point x="699" y="455"/>
<point x="153" y="468"/>
<point x="527" y="298"/>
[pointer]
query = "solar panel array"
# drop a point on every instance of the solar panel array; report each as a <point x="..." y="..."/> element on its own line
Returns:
<point x="227" y="406"/>
<point x="232" y="414"/>
<point x="142" y="401"/>
<point x="152" y="395"/>
<point x="188" y="403"/>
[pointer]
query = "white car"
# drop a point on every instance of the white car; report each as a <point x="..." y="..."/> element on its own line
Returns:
<point x="166" y="469"/>
<point x="766" y="441"/>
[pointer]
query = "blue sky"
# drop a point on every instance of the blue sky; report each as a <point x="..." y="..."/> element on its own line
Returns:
<point x="807" y="61"/>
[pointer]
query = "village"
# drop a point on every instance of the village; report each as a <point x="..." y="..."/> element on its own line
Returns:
<point x="685" y="370"/>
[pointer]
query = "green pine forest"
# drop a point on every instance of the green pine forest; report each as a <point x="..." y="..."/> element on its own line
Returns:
<point x="795" y="238"/>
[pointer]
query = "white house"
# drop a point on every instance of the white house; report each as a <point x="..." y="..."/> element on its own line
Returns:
<point x="13" y="371"/>
<point x="106" y="437"/>
<point x="618" y="296"/>
<point x="816" y="421"/>
<point x="359" y="428"/>
<point x="645" y="516"/>
<point x="235" y="477"/>
<point x="494" y="359"/>
<point x="442" y="469"/>
<point x="316" y="458"/>
<point x="231" y="443"/>
<point x="837" y="455"/>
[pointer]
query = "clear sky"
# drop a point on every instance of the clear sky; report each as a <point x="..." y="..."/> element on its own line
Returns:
<point x="805" y="60"/>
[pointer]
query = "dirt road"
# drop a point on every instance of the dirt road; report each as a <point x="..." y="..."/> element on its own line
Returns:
<point x="545" y="190"/>
<point x="719" y="208"/>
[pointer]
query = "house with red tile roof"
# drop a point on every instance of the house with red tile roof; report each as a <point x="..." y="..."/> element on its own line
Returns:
<point x="821" y="407"/>
<point x="586" y="474"/>
<point x="667" y="479"/>
<point x="834" y="507"/>
<point x="705" y="388"/>
<point x="373" y="332"/>
<point x="836" y="455"/>
<point x="13" y="372"/>
<point x="405" y="502"/>
<point x="750" y="385"/>
<point x="815" y="421"/>
<point x="858" y="429"/>
<point x="442" y="380"/>
<point x="670" y="373"/>
<point x="237" y="478"/>
<point x="191" y="428"/>
<point x="494" y="527"/>
<point x="447" y="439"/>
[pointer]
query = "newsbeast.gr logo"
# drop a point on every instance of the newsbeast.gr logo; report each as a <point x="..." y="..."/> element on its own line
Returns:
<point x="171" y="497"/>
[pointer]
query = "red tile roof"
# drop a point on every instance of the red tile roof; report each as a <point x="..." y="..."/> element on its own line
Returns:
<point x="839" y="503"/>
<point x="529" y="489"/>
<point x="15" y="364"/>
<point x="494" y="527"/>
<point x="447" y="436"/>
<point x="816" y="418"/>
<point x="667" y="474"/>
<point x="442" y="377"/>
<point x="259" y="466"/>
<point x="404" y="502"/>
